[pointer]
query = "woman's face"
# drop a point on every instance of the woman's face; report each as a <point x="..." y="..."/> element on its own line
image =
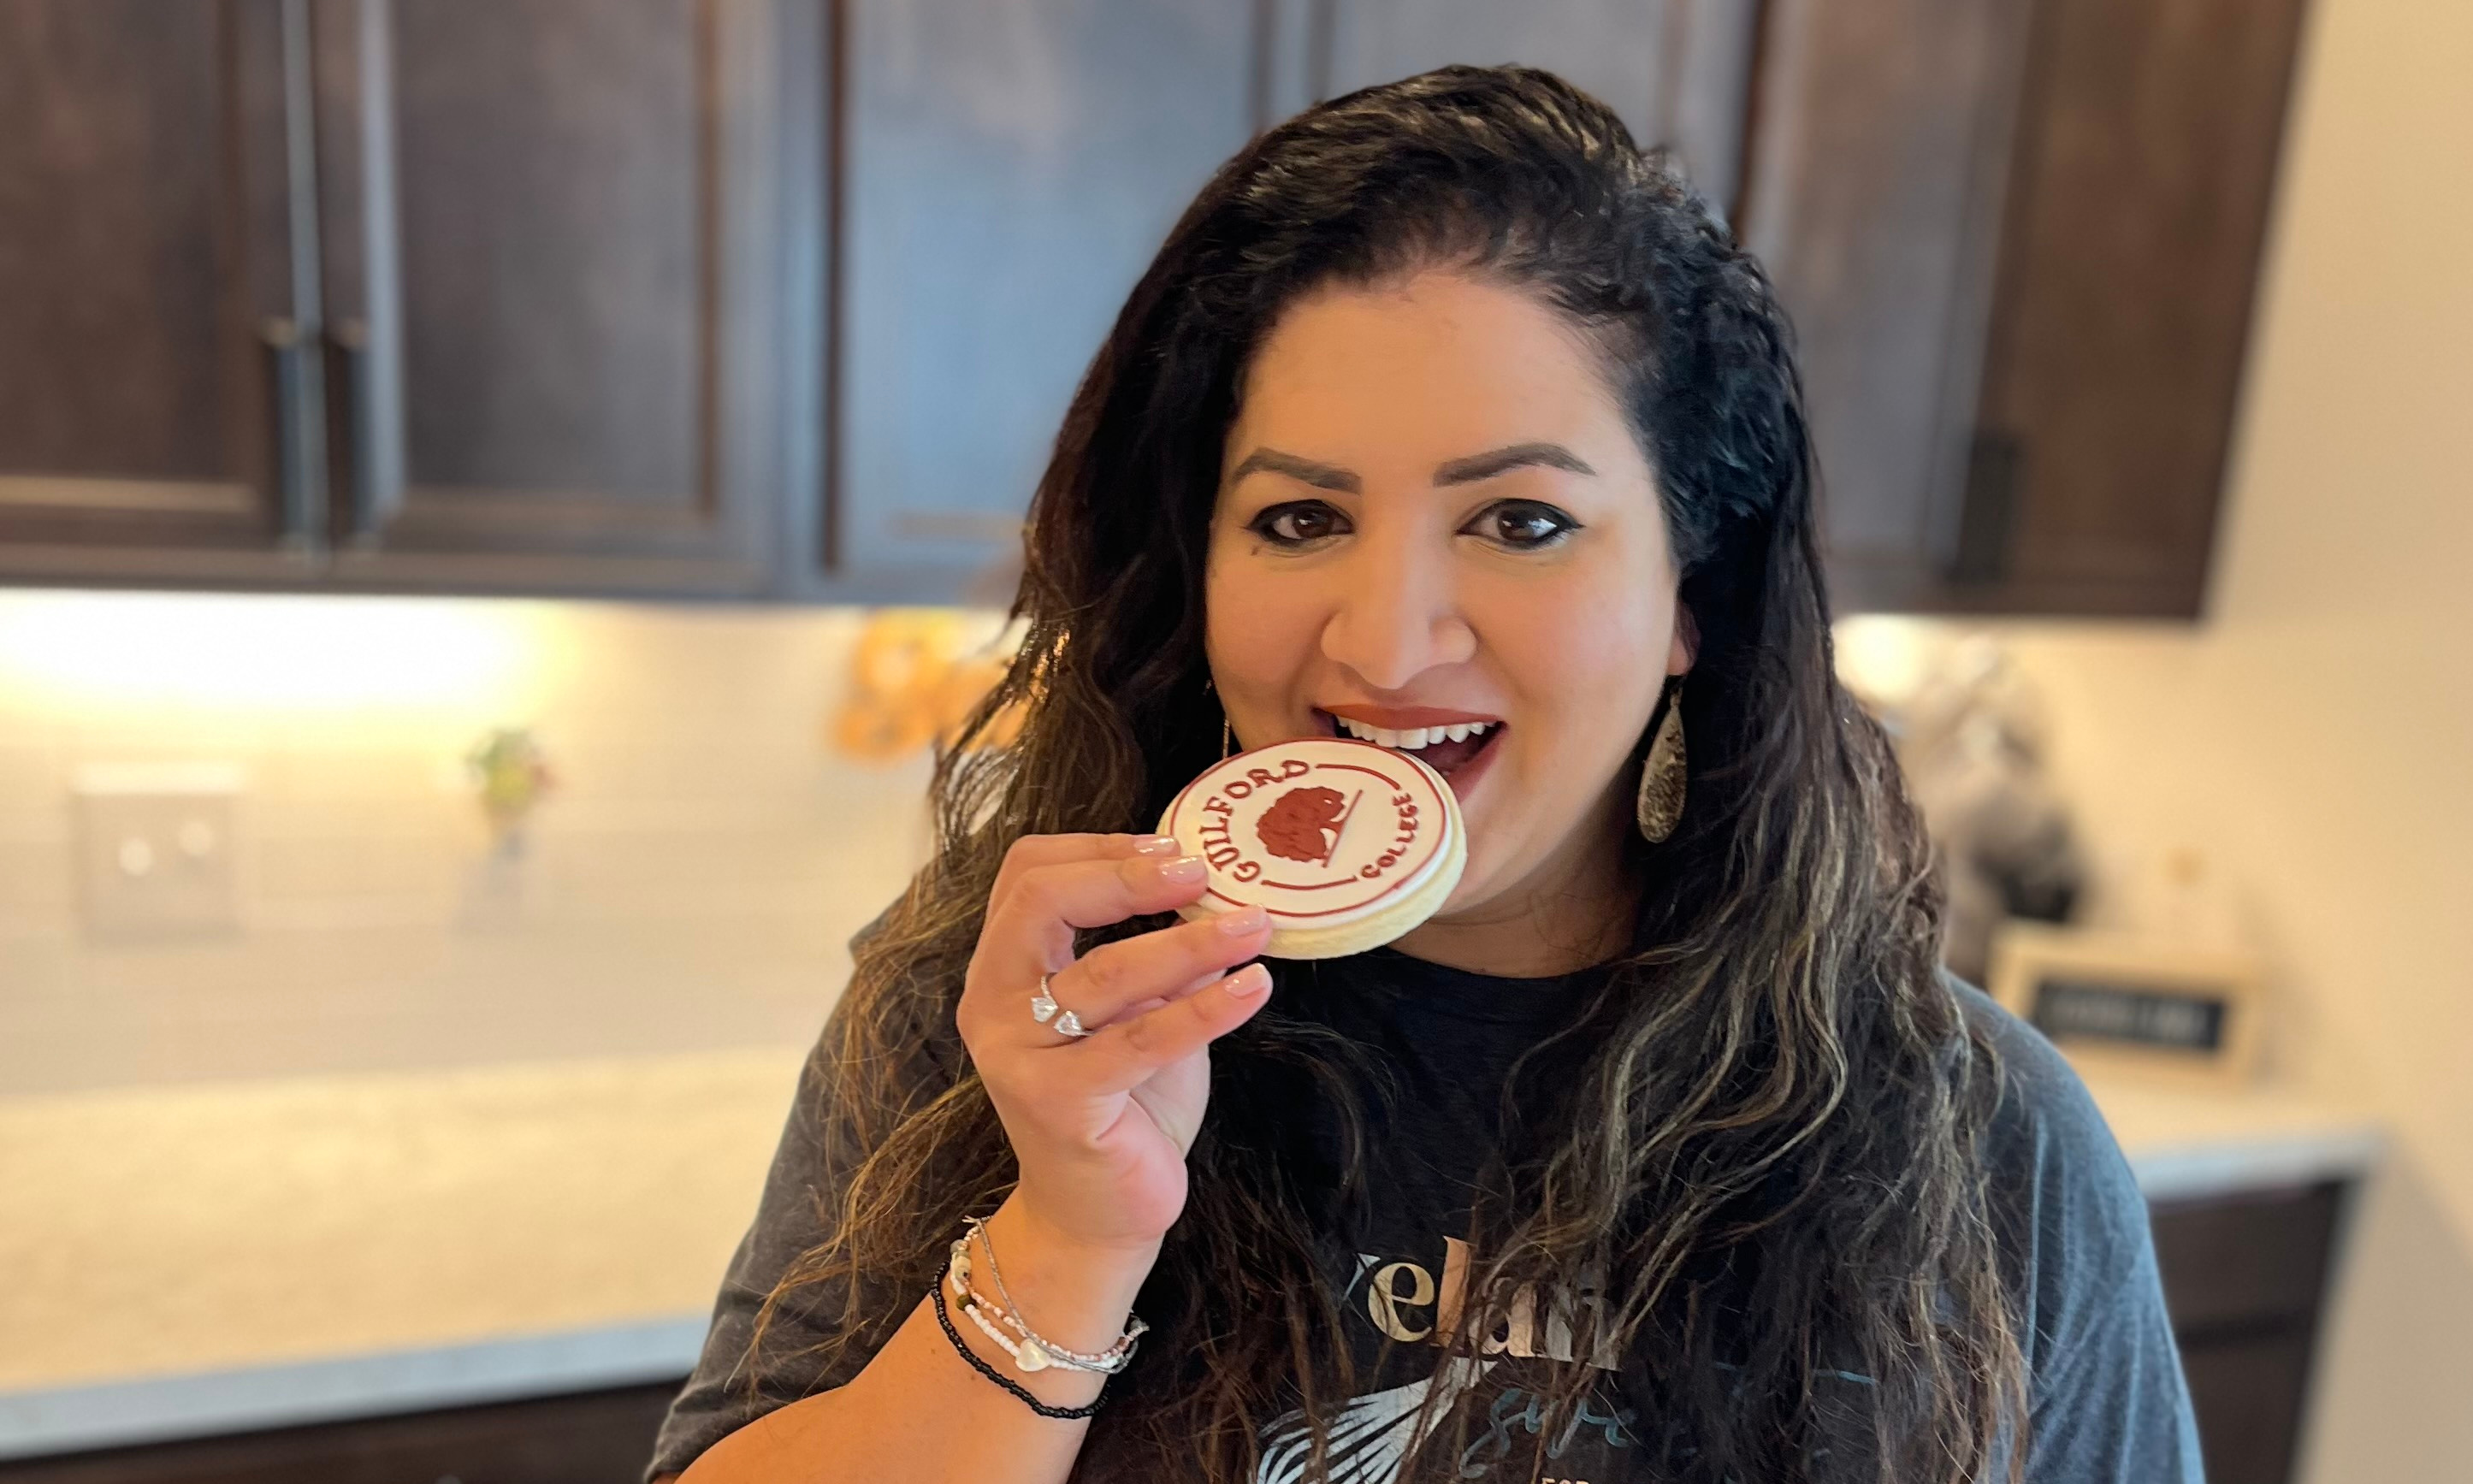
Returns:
<point x="1432" y="515"/>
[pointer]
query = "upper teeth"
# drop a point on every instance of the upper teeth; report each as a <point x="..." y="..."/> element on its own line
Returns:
<point x="1415" y="737"/>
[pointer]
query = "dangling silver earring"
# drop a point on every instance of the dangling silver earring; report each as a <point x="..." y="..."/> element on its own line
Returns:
<point x="1227" y="733"/>
<point x="1659" y="805"/>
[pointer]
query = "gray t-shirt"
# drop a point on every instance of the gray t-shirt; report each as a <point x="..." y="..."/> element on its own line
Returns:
<point x="2108" y="1402"/>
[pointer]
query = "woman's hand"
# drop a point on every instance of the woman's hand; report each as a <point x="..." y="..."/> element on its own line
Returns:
<point x="1100" y="1126"/>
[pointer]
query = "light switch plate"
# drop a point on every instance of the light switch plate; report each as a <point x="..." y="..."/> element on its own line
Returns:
<point x="156" y="847"/>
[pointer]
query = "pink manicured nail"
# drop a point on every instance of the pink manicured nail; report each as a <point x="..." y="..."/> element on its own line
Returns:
<point x="1249" y="981"/>
<point x="1243" y="921"/>
<point x="1155" y="845"/>
<point x="1185" y="867"/>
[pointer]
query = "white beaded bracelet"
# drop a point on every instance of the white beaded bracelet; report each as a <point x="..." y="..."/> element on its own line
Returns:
<point x="1109" y="1361"/>
<point x="1030" y="1349"/>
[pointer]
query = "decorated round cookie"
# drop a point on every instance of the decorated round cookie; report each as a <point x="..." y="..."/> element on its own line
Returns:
<point x="1346" y="845"/>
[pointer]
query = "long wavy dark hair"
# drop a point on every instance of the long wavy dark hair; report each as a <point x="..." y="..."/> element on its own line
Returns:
<point x="1771" y="1157"/>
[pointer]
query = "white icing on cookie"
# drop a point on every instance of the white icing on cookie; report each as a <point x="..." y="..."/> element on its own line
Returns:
<point x="1322" y="833"/>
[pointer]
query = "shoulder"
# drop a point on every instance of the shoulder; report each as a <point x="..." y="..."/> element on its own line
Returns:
<point x="2047" y="1136"/>
<point x="2046" y="1117"/>
<point x="2106" y="1396"/>
<point x="2065" y="1202"/>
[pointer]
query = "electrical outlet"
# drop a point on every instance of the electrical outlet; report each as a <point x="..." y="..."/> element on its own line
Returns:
<point x="156" y="847"/>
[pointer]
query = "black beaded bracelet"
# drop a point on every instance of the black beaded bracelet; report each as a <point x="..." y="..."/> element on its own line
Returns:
<point x="1060" y="1413"/>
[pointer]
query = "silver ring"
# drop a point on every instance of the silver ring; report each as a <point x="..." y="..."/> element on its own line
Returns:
<point x="1043" y="1010"/>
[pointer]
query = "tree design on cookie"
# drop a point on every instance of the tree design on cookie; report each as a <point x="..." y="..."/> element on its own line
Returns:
<point x="1280" y="827"/>
<point x="1299" y="824"/>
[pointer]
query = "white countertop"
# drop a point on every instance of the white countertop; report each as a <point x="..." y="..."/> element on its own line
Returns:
<point x="187" y="1260"/>
<point x="2186" y="1143"/>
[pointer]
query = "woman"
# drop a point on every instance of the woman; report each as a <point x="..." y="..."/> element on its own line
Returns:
<point x="1664" y="1151"/>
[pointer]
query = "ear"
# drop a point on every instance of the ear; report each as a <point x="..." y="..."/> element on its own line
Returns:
<point x="1686" y="646"/>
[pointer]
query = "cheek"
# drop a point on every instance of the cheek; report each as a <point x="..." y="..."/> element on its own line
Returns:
<point x="1586" y="658"/>
<point x="1260" y="631"/>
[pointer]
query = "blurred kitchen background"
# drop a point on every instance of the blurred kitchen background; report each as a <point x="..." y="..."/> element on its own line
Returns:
<point x="498" y="496"/>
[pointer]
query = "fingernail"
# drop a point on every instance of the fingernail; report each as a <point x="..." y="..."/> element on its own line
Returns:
<point x="1249" y="981"/>
<point x="1155" y="845"/>
<point x="1185" y="867"/>
<point x="1243" y="921"/>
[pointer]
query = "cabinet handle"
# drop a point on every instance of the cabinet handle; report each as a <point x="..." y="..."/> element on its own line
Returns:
<point x="1989" y="516"/>
<point x="369" y="497"/>
<point x="295" y="491"/>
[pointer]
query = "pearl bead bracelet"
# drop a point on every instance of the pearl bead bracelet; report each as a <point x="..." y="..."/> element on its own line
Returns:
<point x="1030" y="1349"/>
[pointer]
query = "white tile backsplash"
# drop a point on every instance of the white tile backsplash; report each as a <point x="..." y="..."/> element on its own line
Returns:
<point x="690" y="882"/>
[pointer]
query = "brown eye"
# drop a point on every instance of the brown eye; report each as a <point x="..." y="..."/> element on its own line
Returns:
<point x="1297" y="523"/>
<point x="1526" y="523"/>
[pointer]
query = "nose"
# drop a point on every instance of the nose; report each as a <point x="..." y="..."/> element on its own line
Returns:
<point x="1397" y="614"/>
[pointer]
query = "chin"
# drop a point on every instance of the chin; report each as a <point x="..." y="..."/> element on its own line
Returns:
<point x="1477" y="887"/>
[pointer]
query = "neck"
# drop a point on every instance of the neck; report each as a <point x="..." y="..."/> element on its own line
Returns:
<point x="1575" y="909"/>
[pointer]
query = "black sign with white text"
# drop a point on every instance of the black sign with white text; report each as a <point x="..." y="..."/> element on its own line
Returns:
<point x="2175" y="1018"/>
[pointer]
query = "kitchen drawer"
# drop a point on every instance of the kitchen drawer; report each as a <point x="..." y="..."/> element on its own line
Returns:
<point x="597" y="1438"/>
<point x="2246" y="1261"/>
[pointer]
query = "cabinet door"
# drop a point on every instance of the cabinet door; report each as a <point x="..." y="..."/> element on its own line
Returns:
<point x="2020" y="239"/>
<point x="147" y="248"/>
<point x="2244" y="1278"/>
<point x="1875" y="189"/>
<point x="1675" y="70"/>
<point x="554" y="239"/>
<point x="1008" y="168"/>
<point x="2137" y="216"/>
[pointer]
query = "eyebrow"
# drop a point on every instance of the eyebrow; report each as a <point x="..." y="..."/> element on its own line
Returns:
<point x="1458" y="472"/>
<point x="1485" y="465"/>
<point x="1322" y="476"/>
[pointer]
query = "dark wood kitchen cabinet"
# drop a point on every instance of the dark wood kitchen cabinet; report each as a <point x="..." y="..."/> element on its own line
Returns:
<point x="2245" y="1276"/>
<point x="695" y="297"/>
<point x="2129" y="260"/>
<point x="406" y="294"/>
<point x="786" y="298"/>
<point x="150" y="292"/>
<point x="597" y="1438"/>
<point x="2021" y="240"/>
<point x="1677" y="71"/>
<point x="554" y="283"/>
<point x="1005" y="173"/>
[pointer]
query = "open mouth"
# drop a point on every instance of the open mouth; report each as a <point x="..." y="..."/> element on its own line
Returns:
<point x="1445" y="749"/>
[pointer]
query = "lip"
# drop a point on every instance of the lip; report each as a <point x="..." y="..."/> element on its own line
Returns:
<point x="1465" y="776"/>
<point x="1400" y="718"/>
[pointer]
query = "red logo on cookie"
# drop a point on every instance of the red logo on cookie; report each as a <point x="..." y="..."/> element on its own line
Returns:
<point x="1314" y="828"/>
<point x="1322" y="833"/>
<point x="1302" y="823"/>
